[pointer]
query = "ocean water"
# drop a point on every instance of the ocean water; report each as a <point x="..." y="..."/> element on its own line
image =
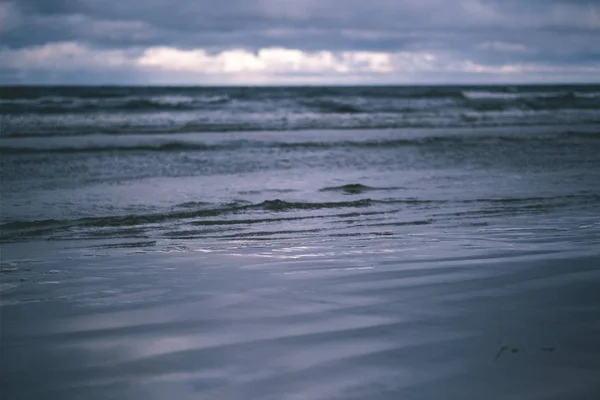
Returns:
<point x="300" y="243"/>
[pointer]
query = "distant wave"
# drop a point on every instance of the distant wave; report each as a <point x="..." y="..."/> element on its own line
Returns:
<point x="587" y="121"/>
<point x="182" y="146"/>
<point x="195" y="146"/>
<point x="241" y="93"/>
<point x="538" y="101"/>
<point x="80" y="111"/>
<point x="60" y="105"/>
<point x="280" y="205"/>
<point x="504" y="95"/>
<point x="343" y="100"/>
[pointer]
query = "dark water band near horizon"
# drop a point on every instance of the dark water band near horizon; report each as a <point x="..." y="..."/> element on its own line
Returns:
<point x="432" y="242"/>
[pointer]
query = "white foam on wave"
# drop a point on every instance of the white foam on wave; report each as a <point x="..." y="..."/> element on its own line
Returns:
<point x="486" y="95"/>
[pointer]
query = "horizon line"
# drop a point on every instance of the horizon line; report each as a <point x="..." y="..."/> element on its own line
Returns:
<point x="291" y="85"/>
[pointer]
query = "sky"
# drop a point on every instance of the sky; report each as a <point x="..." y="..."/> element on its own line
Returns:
<point x="273" y="42"/>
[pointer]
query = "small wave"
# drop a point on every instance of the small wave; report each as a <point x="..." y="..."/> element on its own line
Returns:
<point x="354" y="188"/>
<point x="116" y="221"/>
<point x="20" y="229"/>
<point x="269" y="235"/>
<point x="129" y="245"/>
<point x="280" y="205"/>
<point x="261" y="191"/>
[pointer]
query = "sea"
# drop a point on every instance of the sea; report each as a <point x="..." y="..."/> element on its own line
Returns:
<point x="385" y="242"/>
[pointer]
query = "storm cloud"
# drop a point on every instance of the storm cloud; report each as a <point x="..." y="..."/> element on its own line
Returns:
<point x="294" y="41"/>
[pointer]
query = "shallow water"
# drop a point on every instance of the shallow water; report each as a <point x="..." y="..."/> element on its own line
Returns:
<point x="420" y="263"/>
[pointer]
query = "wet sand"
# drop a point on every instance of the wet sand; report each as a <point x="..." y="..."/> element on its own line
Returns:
<point x="361" y="320"/>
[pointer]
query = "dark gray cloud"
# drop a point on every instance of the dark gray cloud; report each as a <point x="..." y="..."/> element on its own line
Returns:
<point x="549" y="33"/>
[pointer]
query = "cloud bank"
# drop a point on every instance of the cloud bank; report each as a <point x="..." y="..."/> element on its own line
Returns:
<point x="299" y="42"/>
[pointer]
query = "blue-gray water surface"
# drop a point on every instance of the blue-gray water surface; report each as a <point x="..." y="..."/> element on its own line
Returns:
<point x="300" y="243"/>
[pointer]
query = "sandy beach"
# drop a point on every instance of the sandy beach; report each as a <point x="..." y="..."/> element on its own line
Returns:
<point x="301" y="322"/>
